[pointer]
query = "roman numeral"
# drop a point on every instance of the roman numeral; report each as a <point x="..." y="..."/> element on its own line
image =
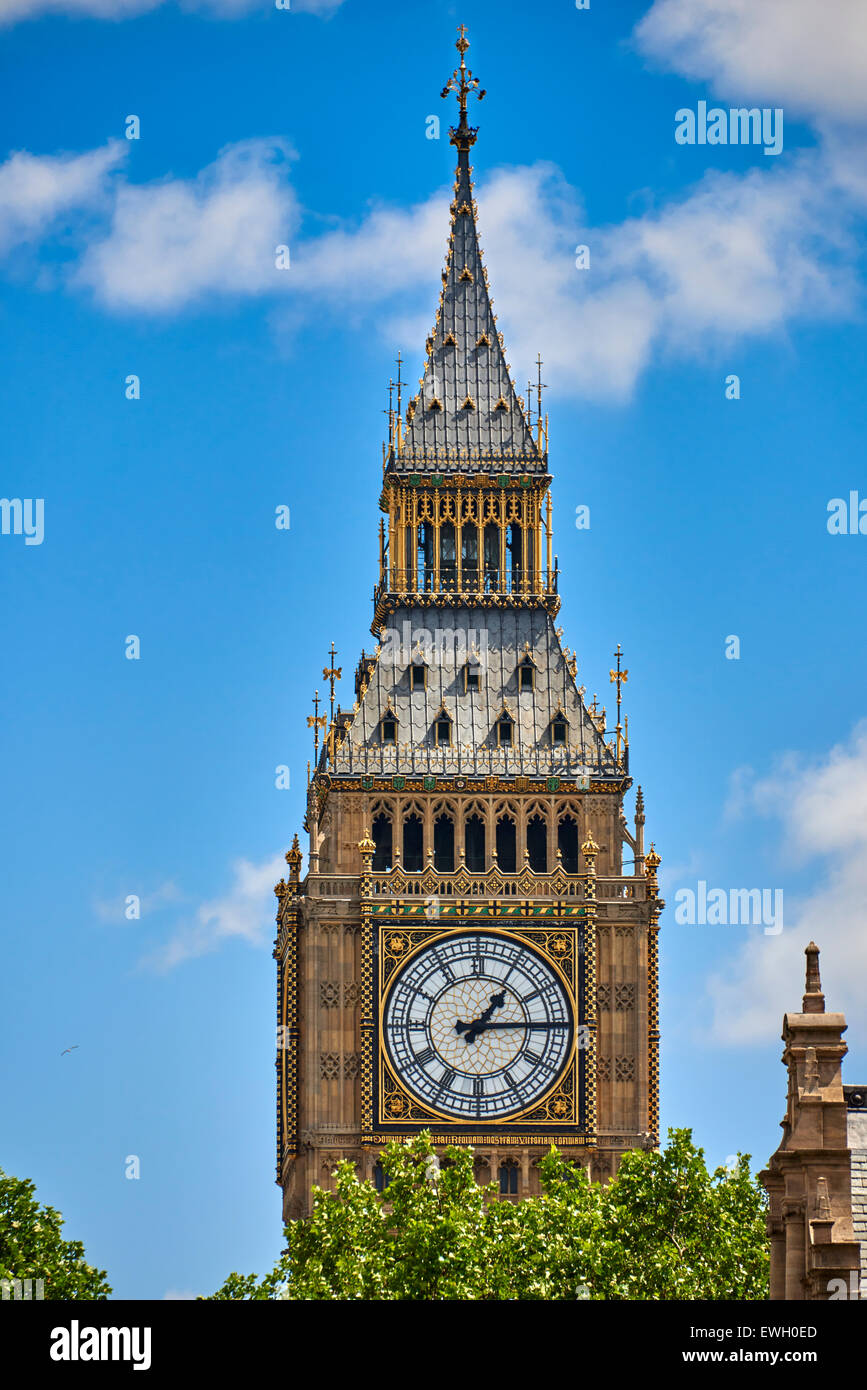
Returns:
<point x="479" y="1085"/>
<point x="426" y="1056"/>
<point x="444" y="967"/>
<point x="446" y="1082"/>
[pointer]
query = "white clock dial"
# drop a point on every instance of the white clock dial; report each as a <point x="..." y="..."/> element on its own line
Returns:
<point x="478" y="1026"/>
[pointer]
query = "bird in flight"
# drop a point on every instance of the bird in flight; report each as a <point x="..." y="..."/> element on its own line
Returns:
<point x="69" y="1049"/>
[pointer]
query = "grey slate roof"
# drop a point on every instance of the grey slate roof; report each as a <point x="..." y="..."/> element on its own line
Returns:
<point x="501" y="639"/>
<point x="455" y="437"/>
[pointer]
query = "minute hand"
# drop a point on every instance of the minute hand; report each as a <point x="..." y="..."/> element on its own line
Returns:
<point x="519" y="1023"/>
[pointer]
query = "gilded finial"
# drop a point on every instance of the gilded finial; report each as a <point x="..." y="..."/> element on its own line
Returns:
<point x="651" y="864"/>
<point x="293" y="859"/>
<point x="332" y="673"/>
<point x="618" y="677"/>
<point x="462" y="83"/>
<point x="316" y="721"/>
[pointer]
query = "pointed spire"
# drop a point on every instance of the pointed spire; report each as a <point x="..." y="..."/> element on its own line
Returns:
<point x="467" y="416"/>
<point x="814" y="999"/>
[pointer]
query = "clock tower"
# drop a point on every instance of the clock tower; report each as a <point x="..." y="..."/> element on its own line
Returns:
<point x="465" y="954"/>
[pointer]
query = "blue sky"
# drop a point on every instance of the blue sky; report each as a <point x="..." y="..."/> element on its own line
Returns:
<point x="260" y="387"/>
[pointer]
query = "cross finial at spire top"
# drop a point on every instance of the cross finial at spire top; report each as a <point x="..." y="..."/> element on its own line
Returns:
<point x="462" y="83"/>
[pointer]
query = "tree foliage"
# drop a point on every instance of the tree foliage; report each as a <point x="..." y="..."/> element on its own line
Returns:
<point x="664" y="1228"/>
<point x="32" y="1247"/>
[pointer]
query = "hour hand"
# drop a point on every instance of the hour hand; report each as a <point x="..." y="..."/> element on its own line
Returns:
<point x="478" y="1024"/>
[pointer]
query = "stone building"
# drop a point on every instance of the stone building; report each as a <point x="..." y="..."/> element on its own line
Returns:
<point x="815" y="1181"/>
<point x="473" y="948"/>
<point x="856" y="1131"/>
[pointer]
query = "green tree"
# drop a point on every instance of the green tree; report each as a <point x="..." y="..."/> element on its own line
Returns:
<point x="664" y="1228"/>
<point x="31" y="1246"/>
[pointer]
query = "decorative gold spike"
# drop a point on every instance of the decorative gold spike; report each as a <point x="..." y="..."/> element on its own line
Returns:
<point x="333" y="673"/>
<point x="483" y="340"/>
<point x="462" y="83"/>
<point x="435" y="404"/>
<point x="502" y="404"/>
<point x="316" y="722"/>
<point x="449" y="340"/>
<point x="469" y="404"/>
<point x="466" y="274"/>
<point x="619" y="677"/>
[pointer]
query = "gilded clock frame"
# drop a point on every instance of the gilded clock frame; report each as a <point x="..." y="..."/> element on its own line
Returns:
<point x="392" y="1111"/>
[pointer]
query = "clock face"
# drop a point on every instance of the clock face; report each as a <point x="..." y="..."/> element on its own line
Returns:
<point x="478" y="1026"/>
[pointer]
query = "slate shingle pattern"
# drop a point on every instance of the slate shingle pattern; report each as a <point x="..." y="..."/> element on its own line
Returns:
<point x="502" y="638"/>
<point x="481" y="437"/>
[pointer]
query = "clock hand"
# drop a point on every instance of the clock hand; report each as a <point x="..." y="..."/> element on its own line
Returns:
<point x="520" y="1023"/>
<point x="480" y="1027"/>
<point x="471" y="1029"/>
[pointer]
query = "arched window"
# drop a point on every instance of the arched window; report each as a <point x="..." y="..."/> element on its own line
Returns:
<point x="448" y="554"/>
<point x="567" y="843"/>
<point x="507" y="845"/>
<point x="380" y="1177"/>
<point x="424" y="556"/>
<point x="388" y="729"/>
<point x="418" y="676"/>
<point x="508" y="1175"/>
<point x="559" y="731"/>
<point x="474" y="844"/>
<point x="444" y="844"/>
<point x="526" y="674"/>
<point x="382" y="855"/>
<point x="413" y="843"/>
<point x="492" y="558"/>
<point x="515" y="552"/>
<point x="443" y="730"/>
<point x="408" y="547"/>
<point x="469" y="557"/>
<point x="537" y="844"/>
<point x="505" y="729"/>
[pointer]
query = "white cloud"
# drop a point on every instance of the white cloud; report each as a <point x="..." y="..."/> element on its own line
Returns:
<point x="736" y="257"/>
<point x="37" y="190"/>
<point x="246" y="910"/>
<point x="171" y="244"/>
<point x="799" y="54"/>
<point x="822" y="805"/>
<point x="11" y="11"/>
